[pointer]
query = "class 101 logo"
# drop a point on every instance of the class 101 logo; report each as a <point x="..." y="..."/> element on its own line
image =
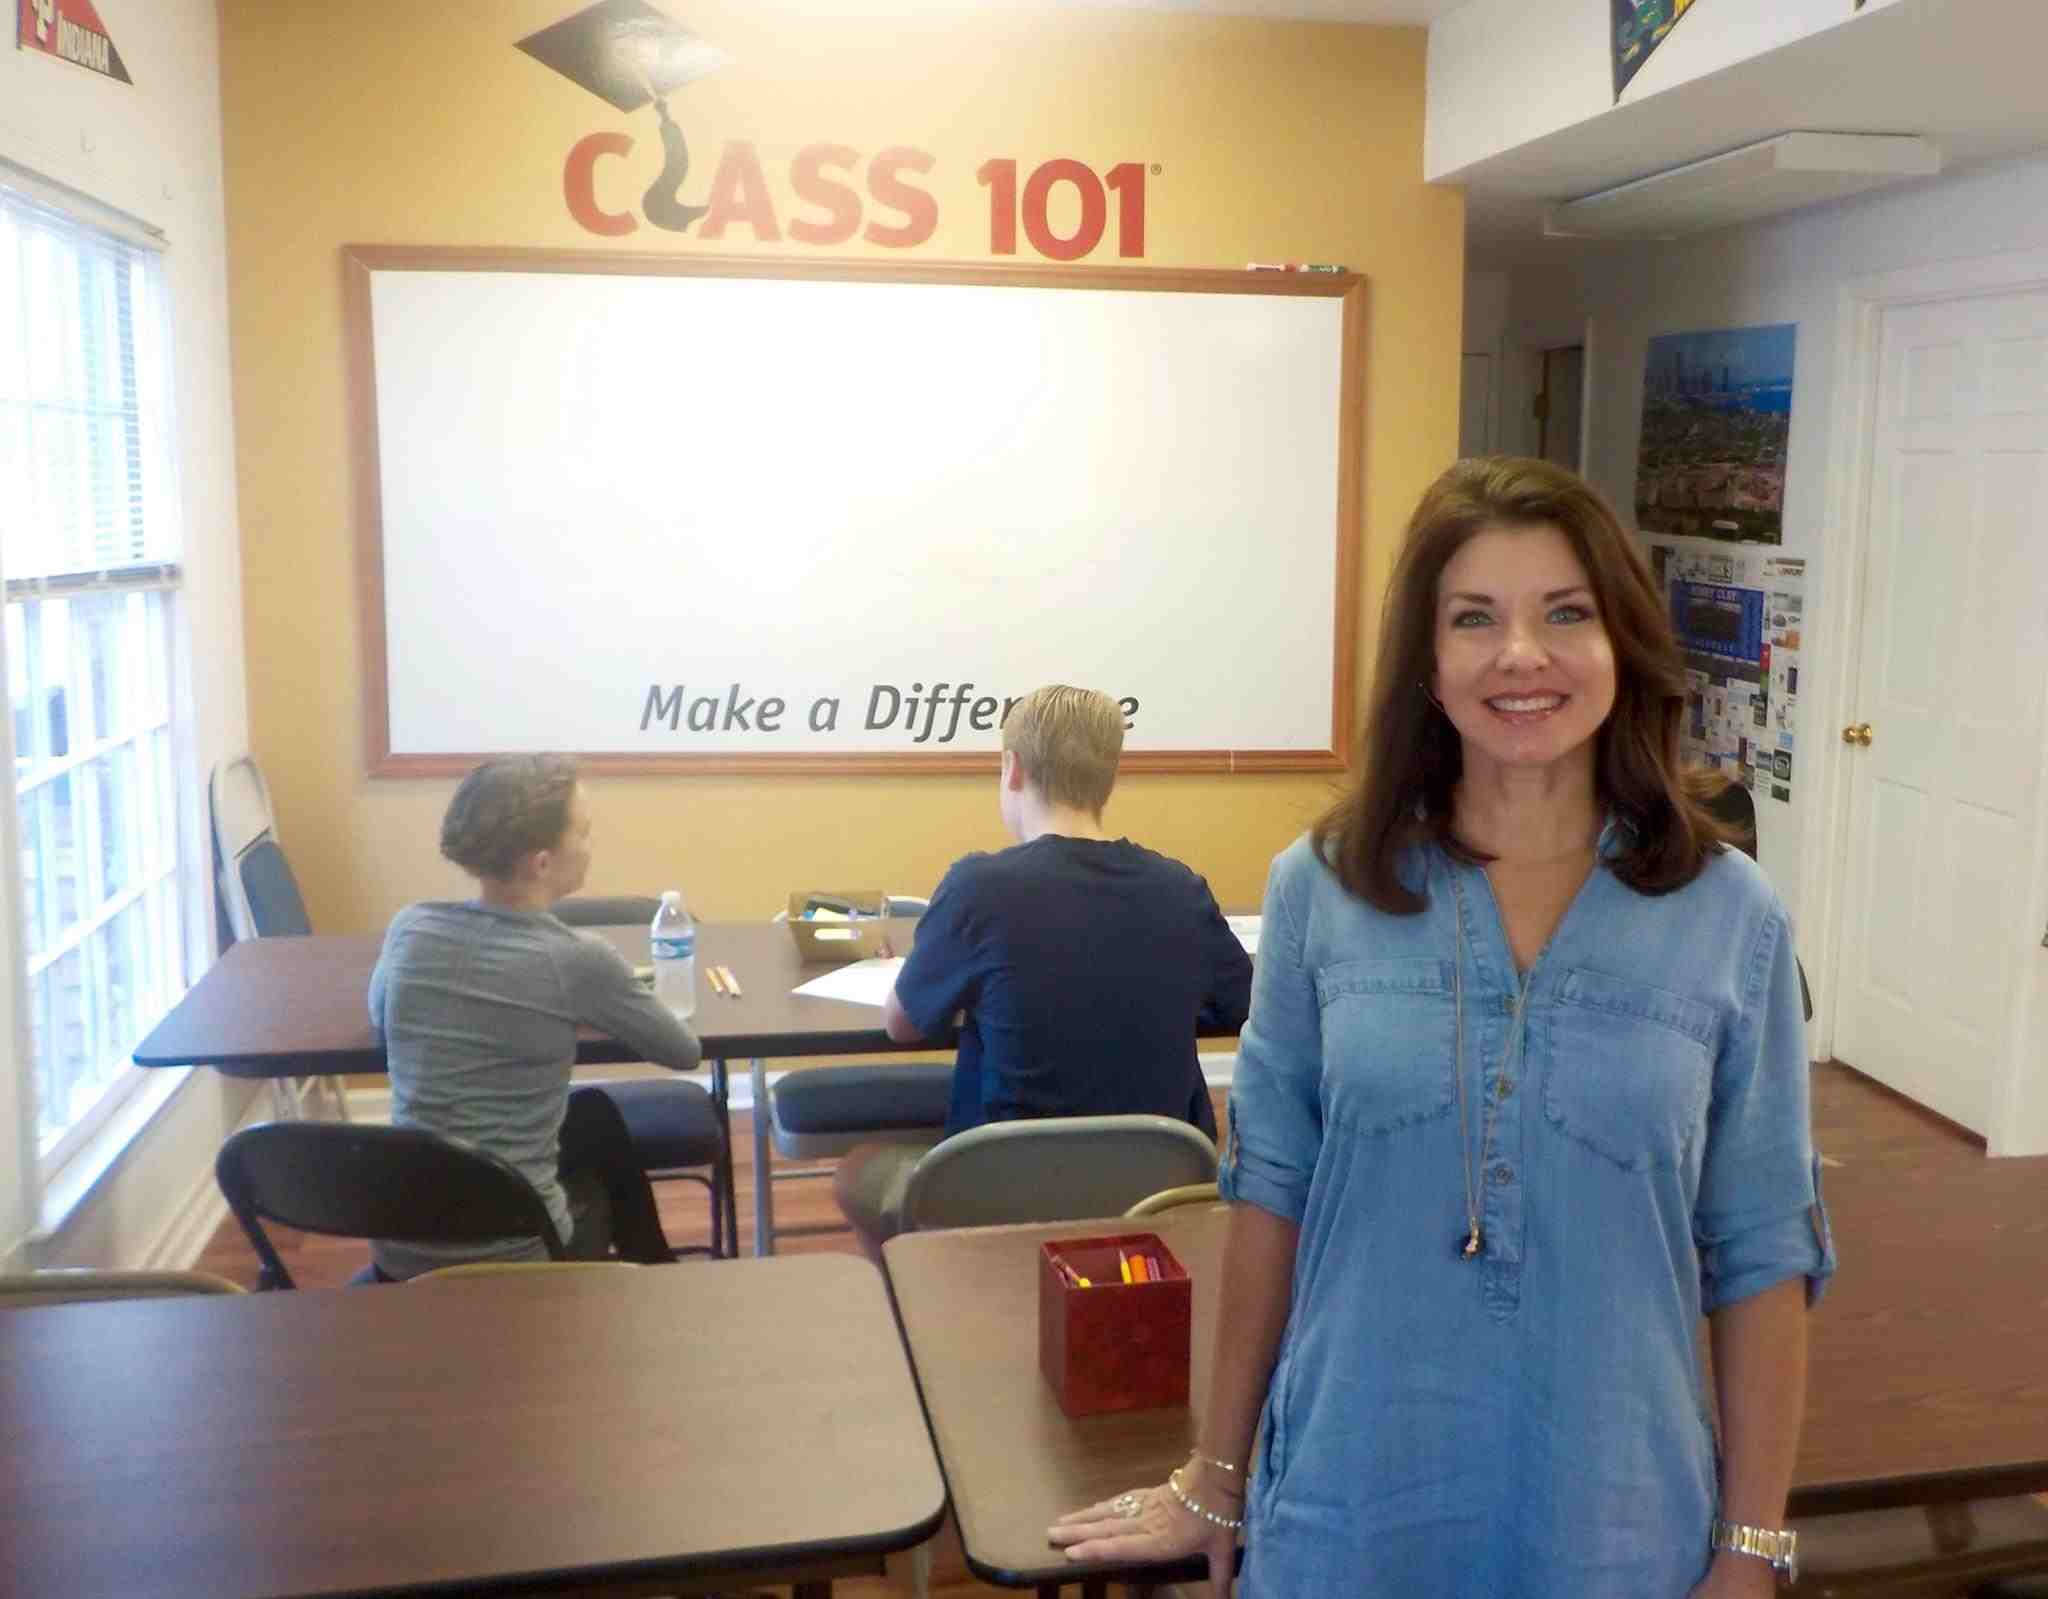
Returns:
<point x="830" y="194"/>
<point x="637" y="57"/>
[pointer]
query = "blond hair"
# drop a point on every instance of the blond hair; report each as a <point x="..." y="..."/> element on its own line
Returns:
<point x="1068" y="740"/>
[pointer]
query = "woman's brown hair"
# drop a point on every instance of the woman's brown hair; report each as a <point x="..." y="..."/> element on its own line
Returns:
<point x="506" y="809"/>
<point x="1412" y="757"/>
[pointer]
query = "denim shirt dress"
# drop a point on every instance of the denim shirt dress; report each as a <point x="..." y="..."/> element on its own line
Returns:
<point x="1533" y="1422"/>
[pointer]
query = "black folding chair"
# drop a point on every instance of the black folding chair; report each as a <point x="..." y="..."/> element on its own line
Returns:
<point x="361" y="1181"/>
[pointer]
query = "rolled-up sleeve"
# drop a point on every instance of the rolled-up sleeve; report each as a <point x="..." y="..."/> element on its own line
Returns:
<point x="1760" y="1218"/>
<point x="1276" y="1119"/>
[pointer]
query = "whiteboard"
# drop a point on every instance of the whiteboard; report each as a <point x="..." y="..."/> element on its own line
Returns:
<point x="745" y="514"/>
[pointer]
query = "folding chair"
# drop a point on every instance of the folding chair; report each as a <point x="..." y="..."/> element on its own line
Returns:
<point x="365" y="1181"/>
<point x="818" y="1113"/>
<point x="258" y="893"/>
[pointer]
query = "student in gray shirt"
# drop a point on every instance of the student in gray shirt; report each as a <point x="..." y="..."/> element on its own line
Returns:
<point x="479" y="1002"/>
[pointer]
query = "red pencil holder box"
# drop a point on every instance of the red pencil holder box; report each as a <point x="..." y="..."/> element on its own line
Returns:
<point x="1113" y="1345"/>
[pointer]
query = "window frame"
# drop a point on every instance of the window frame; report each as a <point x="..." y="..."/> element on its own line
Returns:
<point x="126" y="389"/>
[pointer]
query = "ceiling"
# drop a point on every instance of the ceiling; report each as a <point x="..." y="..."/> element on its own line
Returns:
<point x="1966" y="73"/>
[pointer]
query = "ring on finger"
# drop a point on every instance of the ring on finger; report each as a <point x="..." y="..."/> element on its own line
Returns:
<point x="1128" y="1505"/>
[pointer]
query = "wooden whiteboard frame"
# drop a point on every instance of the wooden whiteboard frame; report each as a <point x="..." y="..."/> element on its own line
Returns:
<point x="360" y="261"/>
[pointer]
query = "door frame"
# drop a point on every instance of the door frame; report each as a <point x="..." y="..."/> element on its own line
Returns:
<point x="2018" y="1121"/>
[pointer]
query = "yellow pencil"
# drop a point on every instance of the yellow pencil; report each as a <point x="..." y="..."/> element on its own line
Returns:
<point x="732" y="983"/>
<point x="717" y="986"/>
<point x="1123" y="1264"/>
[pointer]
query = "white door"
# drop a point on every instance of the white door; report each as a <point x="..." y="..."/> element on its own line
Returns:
<point x="1945" y="798"/>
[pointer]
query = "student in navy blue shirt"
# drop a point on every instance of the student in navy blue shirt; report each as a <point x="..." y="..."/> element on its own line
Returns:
<point x="1081" y="966"/>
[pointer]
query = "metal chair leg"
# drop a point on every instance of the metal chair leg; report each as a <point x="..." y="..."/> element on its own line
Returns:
<point x="764" y="1158"/>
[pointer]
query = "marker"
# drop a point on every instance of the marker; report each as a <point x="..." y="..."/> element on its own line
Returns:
<point x="1123" y="1262"/>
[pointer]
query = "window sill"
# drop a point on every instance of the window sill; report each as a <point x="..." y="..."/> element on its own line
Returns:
<point x="75" y="1182"/>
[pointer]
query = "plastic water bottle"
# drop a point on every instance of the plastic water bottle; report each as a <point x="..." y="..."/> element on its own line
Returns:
<point x="672" y="946"/>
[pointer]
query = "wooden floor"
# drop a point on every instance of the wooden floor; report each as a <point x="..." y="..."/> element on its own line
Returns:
<point x="1858" y="1122"/>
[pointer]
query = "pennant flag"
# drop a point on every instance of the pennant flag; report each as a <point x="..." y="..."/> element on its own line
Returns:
<point x="70" y="30"/>
<point x="1639" y="27"/>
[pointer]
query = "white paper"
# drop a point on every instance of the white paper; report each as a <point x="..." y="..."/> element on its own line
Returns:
<point x="859" y="982"/>
<point x="1247" y="930"/>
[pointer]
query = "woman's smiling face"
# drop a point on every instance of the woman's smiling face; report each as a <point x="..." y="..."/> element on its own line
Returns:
<point x="1524" y="667"/>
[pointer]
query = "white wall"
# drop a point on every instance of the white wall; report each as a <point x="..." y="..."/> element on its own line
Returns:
<point x="1505" y="72"/>
<point x="1790" y="269"/>
<point x="152" y="149"/>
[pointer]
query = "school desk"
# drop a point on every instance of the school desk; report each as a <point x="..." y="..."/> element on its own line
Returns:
<point x="635" y="1432"/>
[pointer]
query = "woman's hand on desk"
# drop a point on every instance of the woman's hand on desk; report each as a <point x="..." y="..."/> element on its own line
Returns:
<point x="1163" y="1530"/>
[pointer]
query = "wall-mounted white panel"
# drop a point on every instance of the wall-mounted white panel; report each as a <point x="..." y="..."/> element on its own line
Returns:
<point x="609" y="499"/>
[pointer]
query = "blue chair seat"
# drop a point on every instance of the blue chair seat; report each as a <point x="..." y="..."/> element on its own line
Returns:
<point x="860" y="1102"/>
<point x="672" y="1121"/>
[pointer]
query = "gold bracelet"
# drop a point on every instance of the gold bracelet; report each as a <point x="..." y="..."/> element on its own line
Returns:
<point x="1211" y="1460"/>
<point x="1228" y="1523"/>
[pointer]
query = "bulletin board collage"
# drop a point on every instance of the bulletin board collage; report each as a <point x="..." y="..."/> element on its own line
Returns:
<point x="1710" y="500"/>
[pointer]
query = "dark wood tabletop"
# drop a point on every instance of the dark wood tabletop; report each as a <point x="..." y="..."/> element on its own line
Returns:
<point x="297" y="1007"/>
<point x="751" y="1419"/>
<point x="1926" y="1379"/>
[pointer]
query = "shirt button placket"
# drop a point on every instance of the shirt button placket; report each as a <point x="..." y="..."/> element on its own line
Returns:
<point x="1504" y="1194"/>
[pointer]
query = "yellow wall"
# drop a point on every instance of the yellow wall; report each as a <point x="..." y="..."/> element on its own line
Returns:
<point x="385" y="121"/>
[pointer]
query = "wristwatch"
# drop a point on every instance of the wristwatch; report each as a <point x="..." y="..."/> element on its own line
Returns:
<point x="1779" y="1547"/>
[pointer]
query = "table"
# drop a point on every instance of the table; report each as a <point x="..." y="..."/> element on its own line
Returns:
<point x="297" y="1007"/>
<point x="1925" y="1380"/>
<point x="579" y="1431"/>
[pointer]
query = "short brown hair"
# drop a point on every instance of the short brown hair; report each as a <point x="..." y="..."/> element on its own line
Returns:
<point x="505" y="810"/>
<point x="1068" y="740"/>
<point x="1412" y="755"/>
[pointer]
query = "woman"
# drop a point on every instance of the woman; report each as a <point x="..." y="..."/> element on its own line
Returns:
<point x="479" y="1002"/>
<point x="1523" y="1095"/>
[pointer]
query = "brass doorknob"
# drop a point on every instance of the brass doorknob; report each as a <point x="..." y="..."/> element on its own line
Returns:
<point x="1857" y="733"/>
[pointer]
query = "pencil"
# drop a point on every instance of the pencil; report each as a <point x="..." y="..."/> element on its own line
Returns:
<point x="1123" y="1263"/>
<point x="717" y="986"/>
<point x="732" y="983"/>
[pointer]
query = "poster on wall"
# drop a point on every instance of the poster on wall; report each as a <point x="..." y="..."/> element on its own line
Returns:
<point x="1717" y="410"/>
<point x="1639" y="27"/>
<point x="1739" y="618"/>
<point x="70" y="30"/>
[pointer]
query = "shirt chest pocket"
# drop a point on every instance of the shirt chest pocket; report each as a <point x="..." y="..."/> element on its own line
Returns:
<point x="1628" y="1069"/>
<point x="1387" y="1042"/>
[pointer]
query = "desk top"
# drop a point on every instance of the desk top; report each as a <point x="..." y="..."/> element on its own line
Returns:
<point x="1925" y="1379"/>
<point x="476" y="1433"/>
<point x="297" y="1007"/>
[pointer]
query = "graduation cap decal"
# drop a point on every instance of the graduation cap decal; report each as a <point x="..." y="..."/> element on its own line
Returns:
<point x="625" y="52"/>
<point x="629" y="54"/>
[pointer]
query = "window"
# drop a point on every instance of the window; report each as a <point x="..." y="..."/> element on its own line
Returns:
<point x="88" y="550"/>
